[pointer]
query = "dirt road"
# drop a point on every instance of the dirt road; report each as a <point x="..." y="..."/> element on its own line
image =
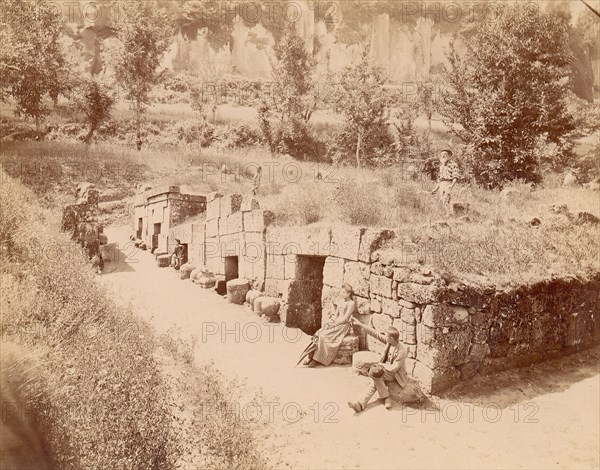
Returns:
<point x="540" y="417"/>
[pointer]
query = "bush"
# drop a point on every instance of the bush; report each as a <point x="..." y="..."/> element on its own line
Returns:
<point x="301" y="205"/>
<point x="358" y="203"/>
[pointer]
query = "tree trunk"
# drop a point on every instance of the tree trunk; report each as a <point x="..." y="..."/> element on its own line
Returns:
<point x="88" y="137"/>
<point x="358" y="146"/>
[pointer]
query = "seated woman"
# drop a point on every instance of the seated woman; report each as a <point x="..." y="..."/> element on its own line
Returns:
<point x="331" y="334"/>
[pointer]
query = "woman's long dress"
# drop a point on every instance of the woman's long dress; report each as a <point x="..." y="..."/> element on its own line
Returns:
<point x="329" y="341"/>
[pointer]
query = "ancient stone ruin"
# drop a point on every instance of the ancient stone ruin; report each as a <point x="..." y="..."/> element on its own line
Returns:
<point x="452" y="331"/>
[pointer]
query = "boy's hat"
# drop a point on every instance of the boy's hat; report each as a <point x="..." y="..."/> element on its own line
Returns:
<point x="376" y="371"/>
<point x="447" y="149"/>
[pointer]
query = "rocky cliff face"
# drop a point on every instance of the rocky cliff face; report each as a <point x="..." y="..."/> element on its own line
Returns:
<point x="409" y="47"/>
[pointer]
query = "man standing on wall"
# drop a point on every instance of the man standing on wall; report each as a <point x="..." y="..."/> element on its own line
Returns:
<point x="447" y="178"/>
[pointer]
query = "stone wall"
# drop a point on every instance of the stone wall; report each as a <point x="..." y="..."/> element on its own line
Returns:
<point x="452" y="331"/>
<point x="168" y="207"/>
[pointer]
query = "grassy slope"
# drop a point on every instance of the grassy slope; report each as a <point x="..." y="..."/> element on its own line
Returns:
<point x="102" y="390"/>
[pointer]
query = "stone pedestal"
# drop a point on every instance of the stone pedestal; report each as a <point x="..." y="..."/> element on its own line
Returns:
<point x="348" y="347"/>
<point x="237" y="290"/>
<point x="163" y="261"/>
<point x="362" y="360"/>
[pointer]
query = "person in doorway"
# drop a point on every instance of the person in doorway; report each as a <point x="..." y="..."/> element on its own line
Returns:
<point x="330" y="336"/>
<point x="447" y="179"/>
<point x="391" y="368"/>
<point x="177" y="256"/>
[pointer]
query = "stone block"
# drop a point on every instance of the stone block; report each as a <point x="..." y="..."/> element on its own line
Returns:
<point x="310" y="241"/>
<point x="346" y="242"/>
<point x="235" y="223"/>
<point x="424" y="376"/>
<point x="406" y="274"/>
<point x="230" y="204"/>
<point x="267" y="306"/>
<point x="237" y="290"/>
<point x="251" y="296"/>
<point x="222" y="226"/>
<point x="363" y="306"/>
<point x="375" y="305"/>
<point x="381" y="322"/>
<point x="213" y="209"/>
<point x="431" y="381"/>
<point x="361" y="333"/>
<point x="395" y="290"/>
<point x="363" y="360"/>
<point x="408" y="315"/>
<point x="213" y="195"/>
<point x="444" y="314"/>
<point x="249" y="204"/>
<point x="186" y="270"/>
<point x="288" y="290"/>
<point x="442" y="354"/>
<point x="348" y="347"/>
<point x="231" y="245"/>
<point x="272" y="287"/>
<point x="390" y="307"/>
<point x="275" y="266"/>
<point x="381" y="285"/>
<point x="257" y="220"/>
<point x="406" y="303"/>
<point x="220" y="285"/>
<point x="408" y="332"/>
<point x="212" y="228"/>
<point x="425" y="334"/>
<point x="357" y="275"/>
<point x="290" y="265"/>
<point x="206" y="281"/>
<point x="333" y="271"/>
<point x="372" y="239"/>
<point x="411" y="351"/>
<point x="163" y="261"/>
<point x="417" y="293"/>
<point x="377" y="268"/>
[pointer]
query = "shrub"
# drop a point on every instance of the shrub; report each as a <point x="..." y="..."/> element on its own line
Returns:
<point x="300" y="205"/>
<point x="358" y="203"/>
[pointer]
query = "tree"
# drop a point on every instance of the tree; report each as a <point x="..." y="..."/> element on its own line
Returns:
<point x="32" y="63"/>
<point x="292" y="100"/>
<point x="95" y="103"/>
<point x="363" y="102"/>
<point x="145" y="32"/>
<point x="506" y="95"/>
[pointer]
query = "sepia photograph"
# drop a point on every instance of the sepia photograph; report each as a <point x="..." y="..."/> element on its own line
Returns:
<point x="299" y="234"/>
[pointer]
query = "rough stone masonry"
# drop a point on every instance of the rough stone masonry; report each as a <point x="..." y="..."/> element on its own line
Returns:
<point x="452" y="331"/>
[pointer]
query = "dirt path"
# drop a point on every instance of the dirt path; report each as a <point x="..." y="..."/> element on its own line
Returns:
<point x="540" y="417"/>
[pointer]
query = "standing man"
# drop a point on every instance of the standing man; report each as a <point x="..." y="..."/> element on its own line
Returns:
<point x="177" y="256"/>
<point x="391" y="368"/>
<point x="447" y="178"/>
<point x="256" y="181"/>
